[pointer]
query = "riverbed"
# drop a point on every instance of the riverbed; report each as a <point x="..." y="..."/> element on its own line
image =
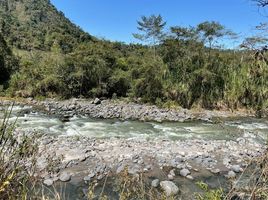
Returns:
<point x="94" y="148"/>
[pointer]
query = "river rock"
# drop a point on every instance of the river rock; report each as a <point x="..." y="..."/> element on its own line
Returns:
<point x="169" y="188"/>
<point x="100" y="168"/>
<point x="91" y="175"/>
<point x="172" y="172"/>
<point x="83" y="158"/>
<point x="120" y="169"/>
<point x="100" y="177"/>
<point x="48" y="182"/>
<point x="190" y="177"/>
<point x="226" y="161"/>
<point x="65" y="177"/>
<point x="134" y="169"/>
<point x="87" y="178"/>
<point x="65" y="118"/>
<point x="236" y="168"/>
<point x="97" y="101"/>
<point x="46" y="141"/>
<point x="155" y="183"/>
<point x="231" y="174"/>
<point x="174" y="162"/>
<point x="184" y="172"/>
<point x="170" y="177"/>
<point x="215" y="171"/>
<point x="147" y="168"/>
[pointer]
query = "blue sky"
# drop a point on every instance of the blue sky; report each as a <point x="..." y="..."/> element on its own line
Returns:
<point x="116" y="20"/>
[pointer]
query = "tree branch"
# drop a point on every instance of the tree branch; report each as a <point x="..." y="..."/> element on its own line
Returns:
<point x="262" y="3"/>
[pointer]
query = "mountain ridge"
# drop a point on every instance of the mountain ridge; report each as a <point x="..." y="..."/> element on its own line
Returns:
<point x="37" y="24"/>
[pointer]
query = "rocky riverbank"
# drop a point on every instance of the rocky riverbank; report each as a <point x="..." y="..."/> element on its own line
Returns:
<point x="109" y="109"/>
<point x="166" y="163"/>
<point x="87" y="160"/>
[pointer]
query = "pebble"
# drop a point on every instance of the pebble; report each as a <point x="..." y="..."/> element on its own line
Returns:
<point x="91" y="175"/>
<point x="82" y="159"/>
<point x="182" y="153"/>
<point x="97" y="101"/>
<point x="169" y="188"/>
<point x="226" y="161"/>
<point x="120" y="169"/>
<point x="170" y="177"/>
<point x="172" y="172"/>
<point x="87" y="178"/>
<point x="65" y="177"/>
<point x="184" y="172"/>
<point x="190" y="177"/>
<point x="48" y="182"/>
<point x="236" y="168"/>
<point x="155" y="183"/>
<point x="100" y="177"/>
<point x="231" y="174"/>
<point x="215" y="171"/>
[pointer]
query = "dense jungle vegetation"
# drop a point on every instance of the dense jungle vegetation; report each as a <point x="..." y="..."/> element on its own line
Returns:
<point x="44" y="54"/>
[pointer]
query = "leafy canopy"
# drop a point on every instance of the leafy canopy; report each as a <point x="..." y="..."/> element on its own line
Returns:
<point x="152" y="29"/>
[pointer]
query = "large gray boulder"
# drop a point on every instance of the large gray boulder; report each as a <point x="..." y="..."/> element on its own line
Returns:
<point x="169" y="188"/>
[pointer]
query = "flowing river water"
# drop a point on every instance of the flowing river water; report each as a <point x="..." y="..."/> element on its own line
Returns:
<point x="28" y="119"/>
<point x="228" y="129"/>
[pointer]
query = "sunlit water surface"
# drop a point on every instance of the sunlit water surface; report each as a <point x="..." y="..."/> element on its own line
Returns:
<point x="229" y="129"/>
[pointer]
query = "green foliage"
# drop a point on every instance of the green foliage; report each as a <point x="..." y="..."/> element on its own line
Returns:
<point x="36" y="24"/>
<point x="37" y="76"/>
<point x="119" y="83"/>
<point x="152" y="28"/>
<point x="209" y="31"/>
<point x="186" y="69"/>
<point x="184" y="33"/>
<point x="8" y="63"/>
<point x="209" y="194"/>
<point x="149" y="85"/>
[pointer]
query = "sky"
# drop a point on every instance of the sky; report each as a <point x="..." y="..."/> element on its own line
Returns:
<point x="116" y="20"/>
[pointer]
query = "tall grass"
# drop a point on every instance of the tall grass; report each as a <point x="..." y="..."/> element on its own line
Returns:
<point x="18" y="156"/>
<point x="127" y="186"/>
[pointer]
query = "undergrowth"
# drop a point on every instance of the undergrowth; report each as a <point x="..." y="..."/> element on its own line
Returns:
<point x="18" y="156"/>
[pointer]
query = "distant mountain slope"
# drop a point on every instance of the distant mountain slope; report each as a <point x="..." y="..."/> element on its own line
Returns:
<point x="37" y="24"/>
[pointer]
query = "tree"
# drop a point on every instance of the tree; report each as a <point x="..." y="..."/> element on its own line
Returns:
<point x="256" y="43"/>
<point x="152" y="30"/>
<point x="149" y="86"/>
<point x="8" y="62"/>
<point x="210" y="31"/>
<point x="184" y="33"/>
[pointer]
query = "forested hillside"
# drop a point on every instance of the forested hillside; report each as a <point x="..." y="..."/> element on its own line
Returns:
<point x="36" y="24"/>
<point x="182" y="67"/>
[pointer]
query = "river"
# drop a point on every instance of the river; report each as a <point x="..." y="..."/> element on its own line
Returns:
<point x="229" y="129"/>
<point x="107" y="131"/>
